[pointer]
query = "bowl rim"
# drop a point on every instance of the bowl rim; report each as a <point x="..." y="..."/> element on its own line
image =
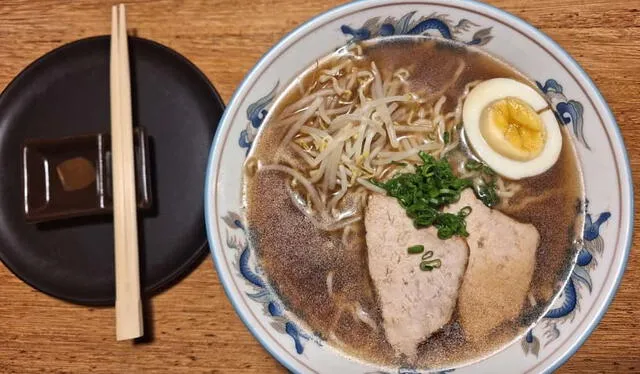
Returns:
<point x="626" y="231"/>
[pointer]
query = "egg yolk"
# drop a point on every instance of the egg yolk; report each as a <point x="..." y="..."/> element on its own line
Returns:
<point x="513" y="128"/>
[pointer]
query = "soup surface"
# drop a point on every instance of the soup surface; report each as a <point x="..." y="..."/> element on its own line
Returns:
<point x="320" y="269"/>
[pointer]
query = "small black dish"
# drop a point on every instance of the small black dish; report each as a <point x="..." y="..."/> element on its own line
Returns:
<point x="72" y="176"/>
<point x="66" y="93"/>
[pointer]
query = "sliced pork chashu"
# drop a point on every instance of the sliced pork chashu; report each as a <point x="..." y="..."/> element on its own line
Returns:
<point x="502" y="256"/>
<point x="414" y="303"/>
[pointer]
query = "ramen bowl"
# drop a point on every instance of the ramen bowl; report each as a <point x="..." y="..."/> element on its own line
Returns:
<point x="607" y="205"/>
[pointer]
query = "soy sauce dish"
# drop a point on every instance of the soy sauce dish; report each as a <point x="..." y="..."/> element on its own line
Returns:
<point x="435" y="186"/>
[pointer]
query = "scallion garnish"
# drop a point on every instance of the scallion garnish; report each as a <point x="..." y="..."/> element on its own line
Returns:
<point x="472" y="165"/>
<point x="487" y="194"/>
<point x="465" y="211"/>
<point x="429" y="264"/>
<point x="414" y="249"/>
<point x="423" y="193"/>
<point x="485" y="189"/>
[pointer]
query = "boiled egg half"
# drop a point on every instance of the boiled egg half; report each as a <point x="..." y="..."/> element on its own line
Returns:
<point x="511" y="128"/>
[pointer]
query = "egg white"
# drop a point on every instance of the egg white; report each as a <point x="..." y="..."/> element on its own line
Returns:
<point x="499" y="88"/>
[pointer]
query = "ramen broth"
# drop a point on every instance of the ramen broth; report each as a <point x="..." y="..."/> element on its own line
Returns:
<point x="322" y="276"/>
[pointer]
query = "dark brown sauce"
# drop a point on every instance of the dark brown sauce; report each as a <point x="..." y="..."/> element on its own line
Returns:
<point x="297" y="257"/>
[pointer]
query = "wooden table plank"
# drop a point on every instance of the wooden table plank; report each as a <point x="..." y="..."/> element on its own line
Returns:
<point x="196" y="329"/>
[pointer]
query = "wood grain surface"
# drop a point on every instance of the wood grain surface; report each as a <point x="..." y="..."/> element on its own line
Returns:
<point x="196" y="329"/>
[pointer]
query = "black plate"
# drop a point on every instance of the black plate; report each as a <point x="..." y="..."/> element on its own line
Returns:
<point x="65" y="93"/>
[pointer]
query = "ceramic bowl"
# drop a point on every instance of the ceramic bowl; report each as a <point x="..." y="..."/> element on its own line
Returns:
<point x="608" y="206"/>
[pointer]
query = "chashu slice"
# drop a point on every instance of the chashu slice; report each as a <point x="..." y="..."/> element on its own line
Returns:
<point x="414" y="303"/>
<point x="502" y="256"/>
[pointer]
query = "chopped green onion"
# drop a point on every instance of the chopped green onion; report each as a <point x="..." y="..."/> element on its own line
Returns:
<point x="423" y="193"/>
<point x="414" y="249"/>
<point x="472" y="165"/>
<point x="465" y="211"/>
<point x="427" y="255"/>
<point x="487" y="194"/>
<point x="430" y="265"/>
<point x="486" y="189"/>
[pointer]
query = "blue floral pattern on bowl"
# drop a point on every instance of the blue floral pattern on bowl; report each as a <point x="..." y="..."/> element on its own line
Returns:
<point x="580" y="281"/>
<point x="433" y="24"/>
<point x="569" y="112"/>
<point x="403" y="370"/>
<point x="256" y="114"/>
<point x="252" y="274"/>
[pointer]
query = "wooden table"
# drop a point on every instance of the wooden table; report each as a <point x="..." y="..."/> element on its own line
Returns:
<point x="196" y="329"/>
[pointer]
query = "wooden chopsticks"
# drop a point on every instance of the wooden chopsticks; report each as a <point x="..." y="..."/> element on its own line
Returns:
<point x="128" y="303"/>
